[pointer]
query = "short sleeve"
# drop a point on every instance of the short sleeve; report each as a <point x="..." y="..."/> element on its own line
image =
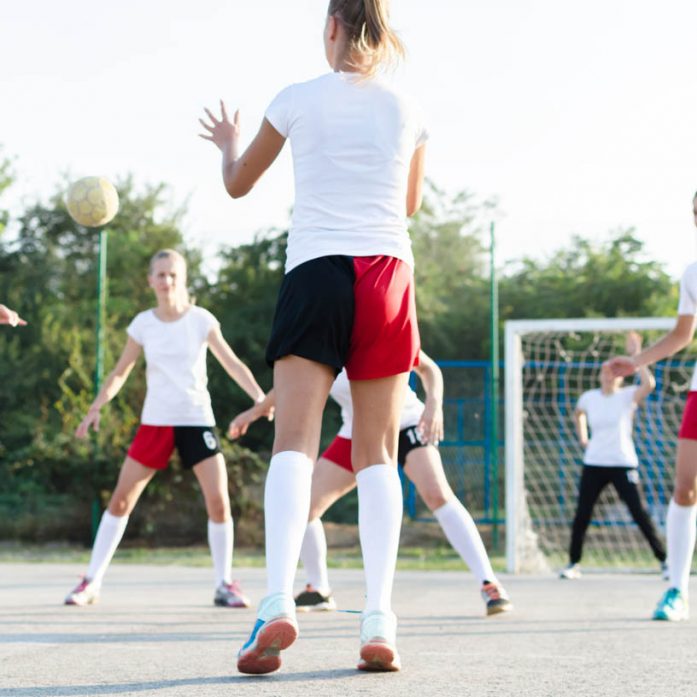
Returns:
<point x="207" y="321"/>
<point x="280" y="112"/>
<point x="135" y="329"/>
<point x="688" y="291"/>
<point x="582" y="404"/>
<point x="630" y="393"/>
<point x="422" y="134"/>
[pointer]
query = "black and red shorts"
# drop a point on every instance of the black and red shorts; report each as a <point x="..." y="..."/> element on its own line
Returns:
<point x="357" y="312"/>
<point x="339" y="450"/>
<point x="688" y="426"/>
<point x="153" y="445"/>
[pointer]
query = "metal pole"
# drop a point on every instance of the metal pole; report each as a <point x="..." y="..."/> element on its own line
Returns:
<point x="99" y="362"/>
<point x="494" y="382"/>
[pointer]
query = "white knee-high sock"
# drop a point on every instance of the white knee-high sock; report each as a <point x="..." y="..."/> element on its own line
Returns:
<point x="465" y="539"/>
<point x="109" y="534"/>
<point x="380" y="508"/>
<point x="286" y="508"/>
<point x="220" y="541"/>
<point x="313" y="555"/>
<point x="680" y="534"/>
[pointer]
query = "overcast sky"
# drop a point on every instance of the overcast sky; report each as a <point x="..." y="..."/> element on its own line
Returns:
<point x="580" y="117"/>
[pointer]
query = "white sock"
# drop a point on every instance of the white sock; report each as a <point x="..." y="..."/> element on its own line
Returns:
<point x="313" y="555"/>
<point x="464" y="537"/>
<point x="380" y="508"/>
<point x="109" y="534"/>
<point x="680" y="534"/>
<point x="286" y="508"/>
<point x="220" y="540"/>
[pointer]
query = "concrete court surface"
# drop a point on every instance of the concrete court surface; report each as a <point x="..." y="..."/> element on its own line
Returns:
<point x="155" y="632"/>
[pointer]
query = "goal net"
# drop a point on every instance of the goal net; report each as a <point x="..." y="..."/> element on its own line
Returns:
<point x="549" y="364"/>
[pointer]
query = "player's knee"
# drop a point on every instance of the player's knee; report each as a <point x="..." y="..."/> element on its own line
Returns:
<point x="218" y="508"/>
<point x="685" y="494"/>
<point x="434" y="497"/>
<point x="119" y="506"/>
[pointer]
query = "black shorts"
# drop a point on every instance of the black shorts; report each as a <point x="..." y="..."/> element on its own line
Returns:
<point x="153" y="445"/>
<point x="409" y="439"/>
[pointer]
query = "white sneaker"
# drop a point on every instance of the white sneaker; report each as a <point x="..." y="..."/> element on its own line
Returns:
<point x="276" y="629"/>
<point x="85" y="593"/>
<point x="378" y="642"/>
<point x="570" y="572"/>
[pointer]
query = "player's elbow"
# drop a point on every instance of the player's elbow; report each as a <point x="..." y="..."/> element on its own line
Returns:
<point x="413" y="205"/>
<point x="237" y="189"/>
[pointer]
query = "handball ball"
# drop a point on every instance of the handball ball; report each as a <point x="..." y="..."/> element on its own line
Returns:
<point x="92" y="201"/>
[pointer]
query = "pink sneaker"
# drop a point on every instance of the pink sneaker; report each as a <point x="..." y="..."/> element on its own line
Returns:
<point x="85" y="593"/>
<point x="230" y="595"/>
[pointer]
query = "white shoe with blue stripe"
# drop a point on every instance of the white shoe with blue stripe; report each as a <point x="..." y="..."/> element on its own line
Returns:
<point x="672" y="607"/>
<point x="276" y="629"/>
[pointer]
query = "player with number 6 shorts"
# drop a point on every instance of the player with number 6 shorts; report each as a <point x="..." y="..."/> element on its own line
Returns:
<point x="175" y="337"/>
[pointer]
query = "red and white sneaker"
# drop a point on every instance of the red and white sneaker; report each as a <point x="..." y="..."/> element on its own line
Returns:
<point x="495" y="598"/>
<point x="230" y="595"/>
<point x="378" y="642"/>
<point x="85" y="593"/>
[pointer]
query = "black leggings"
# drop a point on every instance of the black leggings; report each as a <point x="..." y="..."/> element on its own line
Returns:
<point x="625" y="481"/>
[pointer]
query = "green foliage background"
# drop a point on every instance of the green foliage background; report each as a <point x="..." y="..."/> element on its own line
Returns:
<point x="48" y="479"/>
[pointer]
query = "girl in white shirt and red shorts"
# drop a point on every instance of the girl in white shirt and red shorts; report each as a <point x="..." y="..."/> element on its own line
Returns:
<point x="347" y="300"/>
<point x="177" y="414"/>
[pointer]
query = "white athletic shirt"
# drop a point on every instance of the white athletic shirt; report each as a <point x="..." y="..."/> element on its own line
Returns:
<point x="341" y="393"/>
<point x="687" y="304"/>
<point x="352" y="142"/>
<point x="175" y="356"/>
<point x="610" y="418"/>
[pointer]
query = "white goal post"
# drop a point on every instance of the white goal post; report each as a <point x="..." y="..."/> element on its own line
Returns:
<point x="524" y="369"/>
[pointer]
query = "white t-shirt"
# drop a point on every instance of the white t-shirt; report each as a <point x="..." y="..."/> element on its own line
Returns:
<point x="341" y="393"/>
<point x="175" y="355"/>
<point x="687" y="304"/>
<point x="352" y="142"/>
<point x="610" y="418"/>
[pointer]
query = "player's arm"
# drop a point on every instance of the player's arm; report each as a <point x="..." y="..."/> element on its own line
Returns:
<point x="675" y="340"/>
<point x="10" y="317"/>
<point x="233" y="366"/>
<point x="262" y="410"/>
<point x="581" y="423"/>
<point x="431" y="423"/>
<point x="241" y="172"/>
<point x="113" y="383"/>
<point x="415" y="183"/>
<point x="647" y="382"/>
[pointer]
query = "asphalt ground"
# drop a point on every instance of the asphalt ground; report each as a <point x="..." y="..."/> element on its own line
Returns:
<point x="156" y="632"/>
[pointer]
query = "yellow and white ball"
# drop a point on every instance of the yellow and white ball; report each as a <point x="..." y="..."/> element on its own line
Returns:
<point x="92" y="201"/>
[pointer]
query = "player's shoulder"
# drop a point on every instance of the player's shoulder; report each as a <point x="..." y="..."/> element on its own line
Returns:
<point x="200" y="314"/>
<point x="690" y="272"/>
<point x="144" y="318"/>
<point x="589" y="394"/>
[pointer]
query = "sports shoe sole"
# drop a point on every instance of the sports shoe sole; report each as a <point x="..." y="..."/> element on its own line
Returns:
<point x="379" y="657"/>
<point x="73" y="603"/>
<point x="661" y="616"/>
<point x="498" y="609"/>
<point x="319" y="607"/>
<point x="272" y="638"/>
<point x="237" y="604"/>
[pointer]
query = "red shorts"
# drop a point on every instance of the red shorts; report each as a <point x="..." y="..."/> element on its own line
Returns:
<point x="357" y="312"/>
<point x="339" y="452"/>
<point x="688" y="427"/>
<point x="385" y="335"/>
<point x="153" y="445"/>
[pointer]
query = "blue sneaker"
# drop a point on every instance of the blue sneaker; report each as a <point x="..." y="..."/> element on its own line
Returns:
<point x="275" y="629"/>
<point x="672" y="607"/>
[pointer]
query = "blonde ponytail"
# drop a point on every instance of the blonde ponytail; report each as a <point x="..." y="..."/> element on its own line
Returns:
<point x="372" y="41"/>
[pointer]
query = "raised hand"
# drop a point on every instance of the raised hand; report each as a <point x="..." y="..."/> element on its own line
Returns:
<point x="10" y="317"/>
<point x="632" y="343"/>
<point x="621" y="366"/>
<point x="223" y="132"/>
